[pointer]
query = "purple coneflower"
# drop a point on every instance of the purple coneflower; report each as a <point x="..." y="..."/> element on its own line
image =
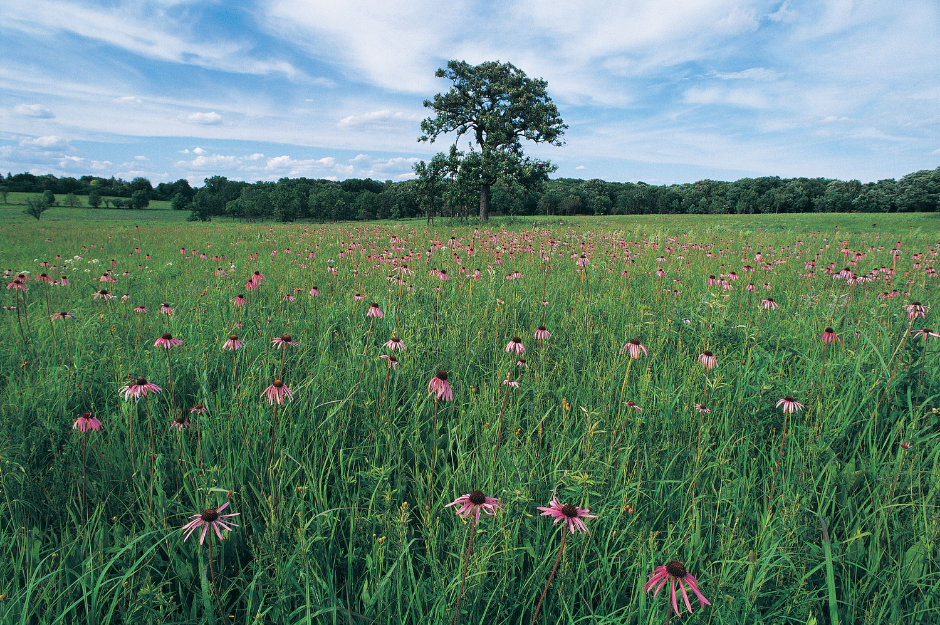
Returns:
<point x="139" y="389"/>
<point x="282" y="342"/>
<point x="439" y="385"/>
<point x="542" y="334"/>
<point x="239" y="300"/>
<point x="63" y="315"/>
<point x="180" y="422"/>
<point x="630" y="404"/>
<point x="475" y="502"/>
<point x="790" y="405"/>
<point x="141" y="310"/>
<point x="167" y="341"/>
<point x="522" y="363"/>
<point x="571" y="515"/>
<point x="568" y="513"/>
<point x="314" y="292"/>
<point x="277" y="392"/>
<point x="708" y="359"/>
<point x="374" y="311"/>
<point x="924" y="333"/>
<point x="828" y="336"/>
<point x="102" y="294"/>
<point x="211" y="518"/>
<point x="769" y="304"/>
<point x="916" y="309"/>
<point x="673" y="571"/>
<point x="232" y="343"/>
<point x="166" y="309"/>
<point x="358" y="297"/>
<point x="395" y="344"/>
<point x="702" y="408"/>
<point x="257" y="277"/>
<point x="86" y="422"/>
<point x="197" y="409"/>
<point x="515" y="346"/>
<point x="633" y="347"/>
<point x="391" y="360"/>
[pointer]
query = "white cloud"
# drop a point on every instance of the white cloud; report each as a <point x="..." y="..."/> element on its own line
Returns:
<point x="203" y="119"/>
<point x="754" y="73"/>
<point x="33" y="110"/>
<point x="580" y="167"/>
<point x="140" y="28"/>
<point x="746" y="98"/>
<point x="51" y="142"/>
<point x="833" y="118"/>
<point x="199" y="151"/>
<point x="141" y="158"/>
<point x="129" y="99"/>
<point x="378" y="119"/>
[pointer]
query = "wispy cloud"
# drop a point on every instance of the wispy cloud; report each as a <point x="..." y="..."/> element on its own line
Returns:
<point x="203" y="119"/>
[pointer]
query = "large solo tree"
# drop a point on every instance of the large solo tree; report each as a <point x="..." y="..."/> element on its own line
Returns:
<point x="497" y="106"/>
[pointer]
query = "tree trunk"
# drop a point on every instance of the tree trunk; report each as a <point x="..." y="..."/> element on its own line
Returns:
<point x="484" y="202"/>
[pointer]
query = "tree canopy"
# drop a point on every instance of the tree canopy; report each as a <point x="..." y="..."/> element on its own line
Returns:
<point x="498" y="106"/>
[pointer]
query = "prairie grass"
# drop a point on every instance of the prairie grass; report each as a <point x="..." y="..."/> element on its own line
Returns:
<point x="339" y="530"/>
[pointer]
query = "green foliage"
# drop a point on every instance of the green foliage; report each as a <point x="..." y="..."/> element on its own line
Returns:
<point x="338" y="526"/>
<point x="94" y="199"/>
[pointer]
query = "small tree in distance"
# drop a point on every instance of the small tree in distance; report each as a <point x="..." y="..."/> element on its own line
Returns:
<point x="497" y="105"/>
<point x="36" y="206"/>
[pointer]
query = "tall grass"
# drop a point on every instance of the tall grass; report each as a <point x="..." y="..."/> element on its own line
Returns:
<point x="340" y="529"/>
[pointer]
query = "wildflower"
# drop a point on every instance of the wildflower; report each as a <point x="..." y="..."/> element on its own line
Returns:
<point x="239" y="300"/>
<point x="277" y="392"/>
<point x="702" y="408"/>
<point x="62" y="315"/>
<point x="439" y="385"/>
<point x="102" y="294"/>
<point x="511" y="382"/>
<point x="256" y="278"/>
<point x="314" y="292"/>
<point x="583" y="261"/>
<point x="542" y="334"/>
<point x="166" y="309"/>
<point x="86" y="421"/>
<point x="395" y="344"/>
<point x="515" y="346"/>
<point x="769" y="304"/>
<point x="916" y="309"/>
<point x="926" y="333"/>
<point x="358" y="297"/>
<point x="141" y="310"/>
<point x="475" y="502"/>
<point x="211" y="518"/>
<point x="634" y="348"/>
<point x="282" y="342"/>
<point x="391" y="360"/>
<point x="232" y="343"/>
<point x="522" y="364"/>
<point x="139" y="389"/>
<point x="288" y="297"/>
<point x="64" y="281"/>
<point x="180" y="422"/>
<point x="630" y="404"/>
<point x="568" y="513"/>
<point x="790" y="405"/>
<point x="374" y="311"/>
<point x="167" y="341"/>
<point x="708" y="359"/>
<point x="673" y="571"/>
<point x="829" y="336"/>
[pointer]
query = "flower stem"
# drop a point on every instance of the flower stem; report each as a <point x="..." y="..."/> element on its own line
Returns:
<point x="561" y="549"/>
<point x="463" y="577"/>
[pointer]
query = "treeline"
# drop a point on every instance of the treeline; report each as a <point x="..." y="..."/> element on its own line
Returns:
<point x="354" y="199"/>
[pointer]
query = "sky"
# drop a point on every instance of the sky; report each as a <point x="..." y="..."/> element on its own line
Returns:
<point x="664" y="91"/>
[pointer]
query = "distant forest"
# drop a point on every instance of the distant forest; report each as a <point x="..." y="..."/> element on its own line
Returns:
<point x="291" y="199"/>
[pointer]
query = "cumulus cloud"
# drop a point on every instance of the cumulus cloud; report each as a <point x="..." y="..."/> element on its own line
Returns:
<point x="33" y="110"/>
<point x="51" y="142"/>
<point x="202" y="119"/>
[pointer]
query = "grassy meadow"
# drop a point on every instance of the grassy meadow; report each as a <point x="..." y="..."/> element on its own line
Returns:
<point x="826" y="514"/>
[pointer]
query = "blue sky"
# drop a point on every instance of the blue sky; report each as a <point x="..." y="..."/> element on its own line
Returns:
<point x="663" y="91"/>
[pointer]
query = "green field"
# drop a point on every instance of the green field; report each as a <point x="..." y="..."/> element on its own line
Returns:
<point x="341" y="492"/>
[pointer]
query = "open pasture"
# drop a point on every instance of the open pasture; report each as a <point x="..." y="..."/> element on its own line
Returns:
<point x="817" y="509"/>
